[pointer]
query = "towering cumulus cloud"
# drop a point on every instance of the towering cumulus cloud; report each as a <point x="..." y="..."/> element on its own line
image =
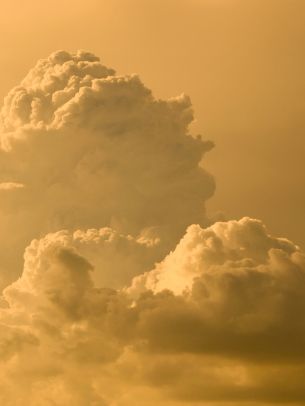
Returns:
<point x="125" y="295"/>
<point x="84" y="148"/>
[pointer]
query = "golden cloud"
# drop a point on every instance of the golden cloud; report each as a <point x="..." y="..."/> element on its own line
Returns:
<point x="115" y="306"/>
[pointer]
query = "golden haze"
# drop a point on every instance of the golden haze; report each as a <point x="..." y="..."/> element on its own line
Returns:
<point x="129" y="292"/>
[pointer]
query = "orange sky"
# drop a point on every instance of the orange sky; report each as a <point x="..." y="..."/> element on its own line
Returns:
<point x="242" y="63"/>
<point x="117" y="288"/>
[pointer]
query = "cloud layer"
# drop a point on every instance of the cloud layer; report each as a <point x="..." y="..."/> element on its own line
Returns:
<point x="118" y="305"/>
<point x="209" y="323"/>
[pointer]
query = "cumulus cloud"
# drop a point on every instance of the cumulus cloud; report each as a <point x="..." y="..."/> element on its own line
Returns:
<point x="219" y="334"/>
<point x="94" y="149"/>
<point x="113" y="302"/>
<point x="248" y="288"/>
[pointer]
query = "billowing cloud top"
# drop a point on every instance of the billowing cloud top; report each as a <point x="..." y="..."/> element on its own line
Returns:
<point x="49" y="94"/>
<point x="92" y="149"/>
<point x="209" y="323"/>
<point x="115" y="306"/>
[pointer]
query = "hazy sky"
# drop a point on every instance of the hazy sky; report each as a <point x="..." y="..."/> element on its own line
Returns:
<point x="242" y="63"/>
<point x="140" y="266"/>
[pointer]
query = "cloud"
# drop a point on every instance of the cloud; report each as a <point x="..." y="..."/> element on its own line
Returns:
<point x="242" y="289"/>
<point x="94" y="149"/>
<point x="219" y="334"/>
<point x="10" y="185"/>
<point x="117" y="304"/>
<point x="49" y="88"/>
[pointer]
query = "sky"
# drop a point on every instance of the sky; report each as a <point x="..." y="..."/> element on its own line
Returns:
<point x="241" y="62"/>
<point x="152" y="203"/>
